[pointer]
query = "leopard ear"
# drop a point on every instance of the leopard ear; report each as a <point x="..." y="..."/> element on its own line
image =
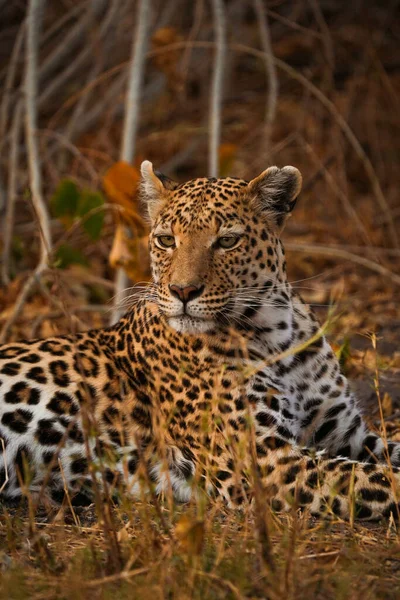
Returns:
<point x="274" y="193"/>
<point x="155" y="188"/>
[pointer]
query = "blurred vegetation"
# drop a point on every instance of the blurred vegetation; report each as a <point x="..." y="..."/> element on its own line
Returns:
<point x="313" y="83"/>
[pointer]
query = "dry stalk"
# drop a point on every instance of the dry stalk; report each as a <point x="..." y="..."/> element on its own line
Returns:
<point x="216" y="87"/>
<point x="132" y="107"/>
<point x="383" y="426"/>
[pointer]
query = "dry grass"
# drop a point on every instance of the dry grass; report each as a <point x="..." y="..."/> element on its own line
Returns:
<point x="217" y="557"/>
<point x="336" y="119"/>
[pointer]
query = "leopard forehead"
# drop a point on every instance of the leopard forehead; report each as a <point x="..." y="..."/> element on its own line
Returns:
<point x="204" y="203"/>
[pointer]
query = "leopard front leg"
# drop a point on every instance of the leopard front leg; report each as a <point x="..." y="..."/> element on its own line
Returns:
<point x="293" y="479"/>
<point x="299" y="477"/>
<point x="326" y="415"/>
<point x="339" y="429"/>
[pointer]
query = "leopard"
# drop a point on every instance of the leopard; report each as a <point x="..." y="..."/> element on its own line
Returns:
<point x="218" y="380"/>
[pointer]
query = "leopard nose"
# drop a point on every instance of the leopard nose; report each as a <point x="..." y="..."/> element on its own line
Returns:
<point x="187" y="293"/>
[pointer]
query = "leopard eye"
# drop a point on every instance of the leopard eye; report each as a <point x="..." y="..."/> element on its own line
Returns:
<point x="165" y="241"/>
<point x="228" y="241"/>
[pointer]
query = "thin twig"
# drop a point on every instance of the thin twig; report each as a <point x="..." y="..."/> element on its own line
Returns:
<point x="340" y="194"/>
<point x="349" y="134"/>
<point x="23" y="296"/>
<point x="9" y="82"/>
<point x="97" y="110"/>
<point x="124" y="575"/>
<point x="272" y="95"/>
<point x="11" y="192"/>
<point x="61" y="22"/>
<point x="2" y="197"/>
<point x="56" y="314"/>
<point x="72" y="40"/>
<point x="62" y="140"/>
<point x="6" y="477"/>
<point x="346" y="255"/>
<point x="77" y="63"/>
<point x="193" y="33"/>
<point x="216" y="87"/>
<point x="78" y="117"/>
<point x="326" y="40"/>
<point x="293" y="24"/>
<point x="132" y="107"/>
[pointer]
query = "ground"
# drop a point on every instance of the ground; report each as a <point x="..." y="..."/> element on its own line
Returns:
<point x="148" y="549"/>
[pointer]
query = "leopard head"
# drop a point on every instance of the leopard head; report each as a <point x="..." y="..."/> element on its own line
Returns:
<point x="214" y="244"/>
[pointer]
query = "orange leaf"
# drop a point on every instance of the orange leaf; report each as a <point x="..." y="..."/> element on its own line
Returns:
<point x="190" y="533"/>
<point x="132" y="254"/>
<point x="121" y="184"/>
<point x="167" y="62"/>
<point x="227" y="154"/>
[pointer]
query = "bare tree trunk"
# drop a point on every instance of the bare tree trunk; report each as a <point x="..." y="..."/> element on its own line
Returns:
<point x="272" y="92"/>
<point x="216" y="88"/>
<point x="132" y="109"/>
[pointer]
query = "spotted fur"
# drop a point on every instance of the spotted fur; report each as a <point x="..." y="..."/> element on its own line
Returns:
<point x="218" y="374"/>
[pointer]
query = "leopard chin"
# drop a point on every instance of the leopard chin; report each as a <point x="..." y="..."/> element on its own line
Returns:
<point x="191" y="325"/>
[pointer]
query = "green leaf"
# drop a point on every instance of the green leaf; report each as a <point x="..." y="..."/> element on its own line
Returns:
<point x="87" y="202"/>
<point x="343" y="354"/>
<point x="64" y="202"/>
<point x="17" y="247"/>
<point x="67" y="255"/>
